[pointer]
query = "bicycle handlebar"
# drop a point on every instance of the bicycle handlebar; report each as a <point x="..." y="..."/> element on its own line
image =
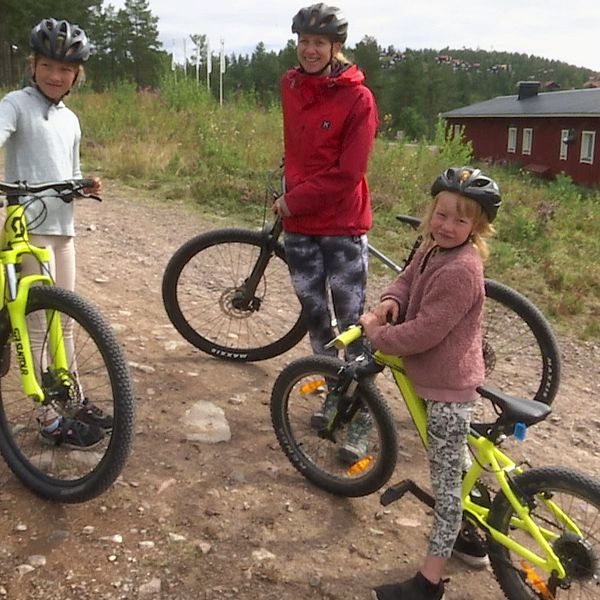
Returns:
<point x="344" y="339"/>
<point x="22" y="187"/>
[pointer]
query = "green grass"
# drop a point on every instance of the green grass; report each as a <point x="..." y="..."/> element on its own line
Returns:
<point x="179" y="143"/>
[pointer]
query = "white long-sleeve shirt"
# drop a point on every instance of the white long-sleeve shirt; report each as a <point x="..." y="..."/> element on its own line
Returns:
<point x="41" y="140"/>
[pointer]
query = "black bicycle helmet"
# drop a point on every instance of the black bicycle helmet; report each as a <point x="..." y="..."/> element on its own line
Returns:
<point x="321" y="19"/>
<point x="473" y="184"/>
<point x="60" y="40"/>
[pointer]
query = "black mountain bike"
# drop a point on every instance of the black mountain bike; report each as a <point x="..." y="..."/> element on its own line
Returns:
<point x="228" y="293"/>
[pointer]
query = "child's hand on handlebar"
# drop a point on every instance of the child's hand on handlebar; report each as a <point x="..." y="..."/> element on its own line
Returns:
<point x="385" y="312"/>
<point x="96" y="189"/>
<point x="369" y="321"/>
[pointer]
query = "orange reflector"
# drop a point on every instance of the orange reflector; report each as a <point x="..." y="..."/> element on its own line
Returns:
<point x="536" y="582"/>
<point x="312" y="386"/>
<point x="360" y="465"/>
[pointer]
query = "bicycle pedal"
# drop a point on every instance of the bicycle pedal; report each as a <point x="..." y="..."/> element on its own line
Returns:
<point x="398" y="490"/>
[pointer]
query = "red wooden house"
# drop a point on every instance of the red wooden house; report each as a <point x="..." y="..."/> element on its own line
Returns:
<point x="546" y="133"/>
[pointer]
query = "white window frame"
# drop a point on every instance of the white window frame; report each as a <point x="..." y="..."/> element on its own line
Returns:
<point x="564" y="148"/>
<point x="512" y="140"/>
<point x="527" y="143"/>
<point x="588" y="141"/>
<point x="456" y="131"/>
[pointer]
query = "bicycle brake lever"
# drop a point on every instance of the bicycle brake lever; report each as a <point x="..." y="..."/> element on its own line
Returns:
<point x="82" y="194"/>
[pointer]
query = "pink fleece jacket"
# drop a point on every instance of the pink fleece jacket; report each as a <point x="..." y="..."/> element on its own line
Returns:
<point x="440" y="295"/>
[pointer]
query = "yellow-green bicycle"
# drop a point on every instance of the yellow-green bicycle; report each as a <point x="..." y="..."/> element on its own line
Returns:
<point x="542" y="524"/>
<point x="56" y="352"/>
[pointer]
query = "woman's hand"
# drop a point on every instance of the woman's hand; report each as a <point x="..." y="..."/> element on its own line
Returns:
<point x="276" y="208"/>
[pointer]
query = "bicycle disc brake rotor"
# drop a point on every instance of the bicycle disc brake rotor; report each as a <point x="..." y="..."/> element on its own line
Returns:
<point x="577" y="556"/>
<point x="233" y="302"/>
<point x="62" y="390"/>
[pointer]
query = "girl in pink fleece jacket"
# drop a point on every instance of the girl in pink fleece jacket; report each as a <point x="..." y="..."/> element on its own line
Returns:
<point x="431" y="316"/>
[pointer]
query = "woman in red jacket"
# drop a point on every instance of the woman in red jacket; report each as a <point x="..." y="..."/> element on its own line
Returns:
<point x="330" y="121"/>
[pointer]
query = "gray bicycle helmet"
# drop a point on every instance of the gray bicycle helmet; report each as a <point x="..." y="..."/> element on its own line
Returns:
<point x="321" y="19"/>
<point x="473" y="184"/>
<point x="60" y="40"/>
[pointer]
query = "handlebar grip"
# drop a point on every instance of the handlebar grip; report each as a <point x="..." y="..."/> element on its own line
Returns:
<point x="414" y="222"/>
<point x="86" y="183"/>
<point x="344" y="339"/>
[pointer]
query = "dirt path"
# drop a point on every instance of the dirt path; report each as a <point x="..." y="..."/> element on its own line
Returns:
<point x="232" y="520"/>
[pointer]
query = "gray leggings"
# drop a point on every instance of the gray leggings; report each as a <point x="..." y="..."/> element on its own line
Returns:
<point x="329" y="273"/>
<point x="447" y="430"/>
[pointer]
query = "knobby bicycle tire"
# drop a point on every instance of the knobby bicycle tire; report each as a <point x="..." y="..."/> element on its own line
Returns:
<point x="98" y="371"/>
<point x="299" y="392"/>
<point x="199" y="288"/>
<point x="579" y="497"/>
<point x="520" y="349"/>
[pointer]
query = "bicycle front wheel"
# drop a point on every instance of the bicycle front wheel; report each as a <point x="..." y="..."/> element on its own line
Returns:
<point x="566" y="506"/>
<point x="298" y="395"/>
<point x="205" y="294"/>
<point x="97" y="371"/>
<point x="520" y="349"/>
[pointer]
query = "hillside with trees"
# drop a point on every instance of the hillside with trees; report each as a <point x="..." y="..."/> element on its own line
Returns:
<point x="412" y="86"/>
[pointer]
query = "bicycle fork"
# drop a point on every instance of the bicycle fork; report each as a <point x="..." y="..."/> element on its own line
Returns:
<point x="16" y="304"/>
<point x="245" y="297"/>
<point x="344" y="394"/>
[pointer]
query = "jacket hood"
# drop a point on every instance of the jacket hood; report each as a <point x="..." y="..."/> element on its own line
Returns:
<point x="350" y="75"/>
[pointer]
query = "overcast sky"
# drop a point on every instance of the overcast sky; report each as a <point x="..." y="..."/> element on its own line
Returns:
<point x="565" y="30"/>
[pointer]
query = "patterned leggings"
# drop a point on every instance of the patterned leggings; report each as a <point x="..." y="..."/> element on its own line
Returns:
<point x="329" y="273"/>
<point x="447" y="430"/>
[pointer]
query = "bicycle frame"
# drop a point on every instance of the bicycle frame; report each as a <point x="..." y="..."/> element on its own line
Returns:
<point x="14" y="243"/>
<point x="487" y="458"/>
<point x="244" y="298"/>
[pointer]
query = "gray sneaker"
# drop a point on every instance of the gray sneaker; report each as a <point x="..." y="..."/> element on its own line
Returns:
<point x="356" y="445"/>
<point x="321" y="418"/>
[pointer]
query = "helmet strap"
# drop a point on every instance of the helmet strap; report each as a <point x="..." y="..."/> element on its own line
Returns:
<point x="51" y="100"/>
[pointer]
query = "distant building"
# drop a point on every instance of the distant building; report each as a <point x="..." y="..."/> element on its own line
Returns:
<point x="546" y="133"/>
<point x="592" y="82"/>
<point x="549" y="86"/>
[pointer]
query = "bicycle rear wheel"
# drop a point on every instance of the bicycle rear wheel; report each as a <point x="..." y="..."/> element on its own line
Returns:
<point x="299" y="392"/>
<point x="203" y="294"/>
<point x="98" y="371"/>
<point x="520" y="349"/>
<point x="566" y="506"/>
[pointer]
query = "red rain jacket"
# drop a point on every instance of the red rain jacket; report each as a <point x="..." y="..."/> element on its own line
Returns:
<point x="329" y="126"/>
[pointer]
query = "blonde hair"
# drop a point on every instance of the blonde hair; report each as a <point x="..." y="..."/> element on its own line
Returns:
<point x="340" y="58"/>
<point x="471" y="209"/>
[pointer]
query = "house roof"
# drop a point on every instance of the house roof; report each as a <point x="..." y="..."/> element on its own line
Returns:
<point x="572" y="103"/>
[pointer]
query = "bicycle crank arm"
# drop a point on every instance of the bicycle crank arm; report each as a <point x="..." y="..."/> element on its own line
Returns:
<point x="399" y="489"/>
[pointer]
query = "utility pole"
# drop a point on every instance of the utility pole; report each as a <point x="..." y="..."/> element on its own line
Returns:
<point x="221" y="70"/>
<point x="208" y="64"/>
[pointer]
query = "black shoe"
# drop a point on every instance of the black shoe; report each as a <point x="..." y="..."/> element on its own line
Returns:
<point x="417" y="588"/>
<point x="73" y="434"/>
<point x="92" y="415"/>
<point x="471" y="548"/>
